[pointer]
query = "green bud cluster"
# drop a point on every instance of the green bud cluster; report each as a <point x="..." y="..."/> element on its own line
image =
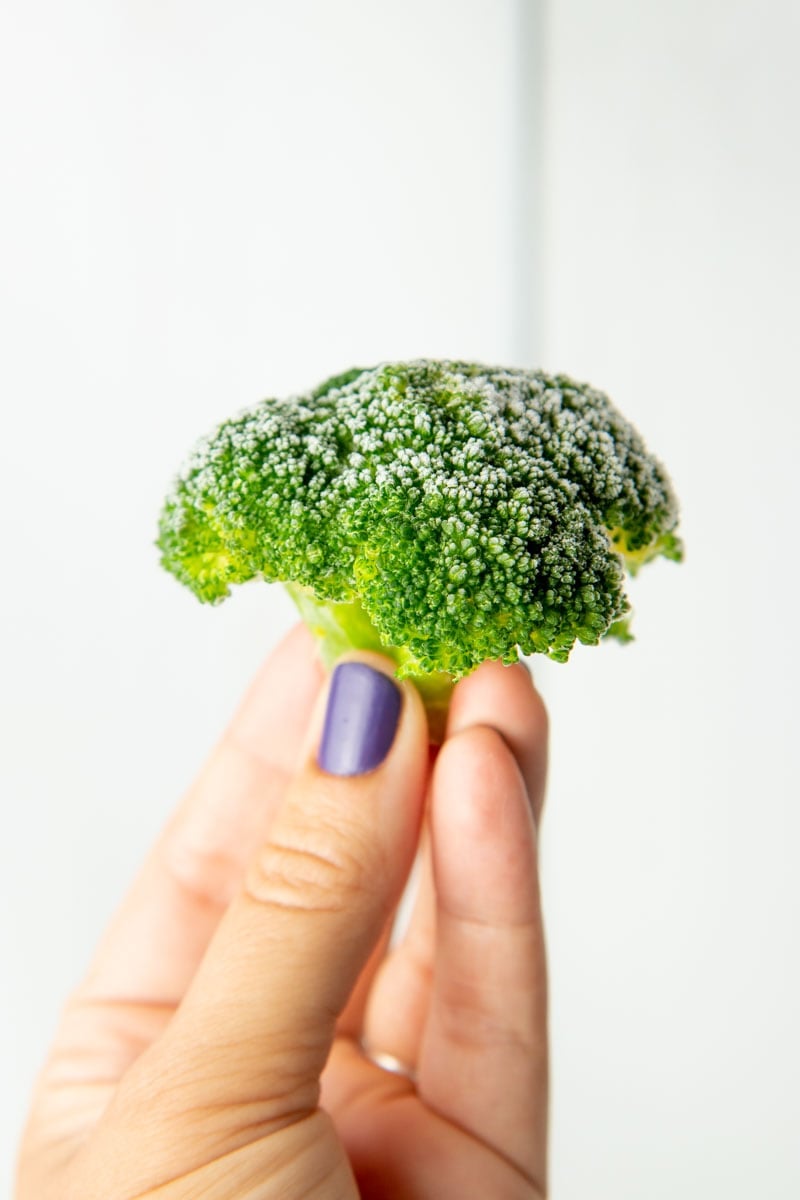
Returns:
<point x="445" y="512"/>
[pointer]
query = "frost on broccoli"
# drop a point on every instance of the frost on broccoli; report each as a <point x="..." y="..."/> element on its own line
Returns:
<point x="444" y="513"/>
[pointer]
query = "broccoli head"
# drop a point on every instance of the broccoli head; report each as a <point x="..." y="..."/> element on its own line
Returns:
<point x="440" y="512"/>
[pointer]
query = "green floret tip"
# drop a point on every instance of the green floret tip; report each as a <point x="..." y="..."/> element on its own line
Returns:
<point x="442" y="513"/>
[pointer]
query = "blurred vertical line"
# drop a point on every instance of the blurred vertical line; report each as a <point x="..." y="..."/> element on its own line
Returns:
<point x="527" y="190"/>
<point x="528" y="181"/>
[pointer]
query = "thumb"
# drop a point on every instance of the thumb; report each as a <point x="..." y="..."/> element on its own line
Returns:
<point x="264" y="1004"/>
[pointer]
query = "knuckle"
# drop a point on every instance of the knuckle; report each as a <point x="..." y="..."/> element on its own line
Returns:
<point x="206" y="847"/>
<point x="201" y="871"/>
<point x="208" y="1088"/>
<point x="312" y="870"/>
<point x="473" y="1019"/>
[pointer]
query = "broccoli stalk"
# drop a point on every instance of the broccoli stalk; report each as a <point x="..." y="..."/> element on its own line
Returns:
<point x="440" y="513"/>
<point x="343" y="625"/>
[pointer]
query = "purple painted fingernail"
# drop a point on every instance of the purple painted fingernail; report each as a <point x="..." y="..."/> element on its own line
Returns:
<point x="360" y="721"/>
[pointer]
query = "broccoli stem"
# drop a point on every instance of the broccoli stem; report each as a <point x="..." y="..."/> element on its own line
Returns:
<point x="343" y="626"/>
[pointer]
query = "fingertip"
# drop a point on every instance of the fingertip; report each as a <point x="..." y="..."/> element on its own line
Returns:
<point x="483" y="829"/>
<point x="474" y="770"/>
<point x="359" y="723"/>
<point x="496" y="687"/>
<point x="366" y="750"/>
<point x="273" y="716"/>
<point x="298" y="648"/>
<point x="505" y="698"/>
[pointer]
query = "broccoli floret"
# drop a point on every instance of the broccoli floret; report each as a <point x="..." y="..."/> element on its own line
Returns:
<point x="440" y="512"/>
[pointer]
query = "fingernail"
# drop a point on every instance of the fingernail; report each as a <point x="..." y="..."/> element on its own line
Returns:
<point x="360" y="720"/>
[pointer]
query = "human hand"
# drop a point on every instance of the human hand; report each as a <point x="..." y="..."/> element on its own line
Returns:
<point x="216" y="1047"/>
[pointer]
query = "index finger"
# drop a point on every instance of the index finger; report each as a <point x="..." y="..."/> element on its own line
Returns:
<point x="154" y="944"/>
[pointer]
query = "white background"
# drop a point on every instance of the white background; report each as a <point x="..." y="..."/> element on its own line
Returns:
<point x="201" y="204"/>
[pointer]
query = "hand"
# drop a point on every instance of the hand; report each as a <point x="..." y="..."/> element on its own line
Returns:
<point x="216" y="1047"/>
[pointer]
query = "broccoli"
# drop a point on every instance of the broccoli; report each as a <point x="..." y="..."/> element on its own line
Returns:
<point x="441" y="513"/>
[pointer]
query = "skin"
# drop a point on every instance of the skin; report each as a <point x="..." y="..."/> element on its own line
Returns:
<point x="215" y="1047"/>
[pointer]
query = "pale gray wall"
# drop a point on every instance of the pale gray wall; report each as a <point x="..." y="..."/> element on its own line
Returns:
<point x="672" y="264"/>
<point x="204" y="203"/>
